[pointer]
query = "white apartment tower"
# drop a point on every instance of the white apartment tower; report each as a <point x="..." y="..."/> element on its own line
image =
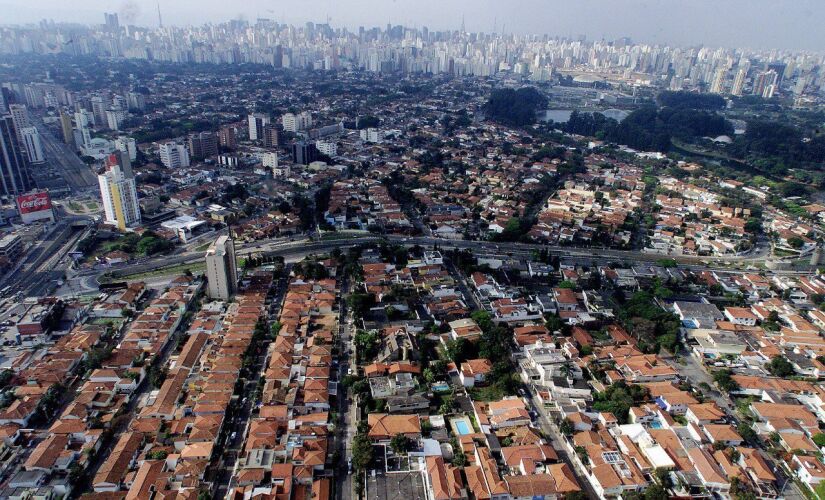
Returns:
<point x="32" y="144"/>
<point x="257" y="122"/>
<point x="221" y="268"/>
<point x="174" y="155"/>
<point x="296" y="123"/>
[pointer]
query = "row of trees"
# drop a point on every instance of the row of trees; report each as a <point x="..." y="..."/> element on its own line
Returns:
<point x="650" y="128"/>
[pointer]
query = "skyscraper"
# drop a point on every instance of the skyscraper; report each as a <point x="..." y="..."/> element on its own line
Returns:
<point x="66" y="128"/>
<point x="257" y="122"/>
<point x="739" y="82"/>
<point x="173" y="155"/>
<point x="14" y="173"/>
<point x="33" y="146"/>
<point x="221" y="268"/>
<point x="226" y="138"/>
<point x="304" y="153"/>
<point x="119" y="193"/>
<point x="203" y="145"/>
<point x="718" y="85"/>
<point x="20" y="118"/>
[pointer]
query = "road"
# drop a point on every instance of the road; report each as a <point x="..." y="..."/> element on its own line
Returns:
<point x="345" y="428"/>
<point x="78" y="176"/>
<point x="234" y="434"/>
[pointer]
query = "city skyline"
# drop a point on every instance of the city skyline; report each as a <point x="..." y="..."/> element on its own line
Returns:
<point x="763" y="25"/>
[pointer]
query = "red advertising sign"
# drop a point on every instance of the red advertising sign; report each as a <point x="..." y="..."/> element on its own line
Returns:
<point x="34" y="202"/>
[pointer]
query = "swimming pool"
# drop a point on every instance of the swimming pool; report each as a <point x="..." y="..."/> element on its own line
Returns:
<point x="462" y="427"/>
<point x="441" y="387"/>
<point x="655" y="424"/>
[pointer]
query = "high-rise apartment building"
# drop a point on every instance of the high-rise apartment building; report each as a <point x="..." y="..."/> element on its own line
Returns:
<point x="257" y="122"/>
<point x="20" y="119"/>
<point x="174" y="155"/>
<point x="203" y="145"/>
<point x="32" y="145"/>
<point x="81" y="120"/>
<point x="272" y="136"/>
<point x="127" y="145"/>
<point x="226" y="138"/>
<point x="296" y="123"/>
<point x="221" y="268"/>
<point x="119" y="193"/>
<point x="14" y="172"/>
<point x="739" y="82"/>
<point x="66" y="128"/>
<point x="718" y="84"/>
<point x="99" y="111"/>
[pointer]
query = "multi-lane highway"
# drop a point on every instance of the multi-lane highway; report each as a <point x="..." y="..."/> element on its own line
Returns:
<point x="297" y="248"/>
<point x="77" y="174"/>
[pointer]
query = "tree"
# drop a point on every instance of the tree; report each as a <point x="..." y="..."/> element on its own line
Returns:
<point x="779" y="366"/>
<point x="747" y="433"/>
<point x="819" y="439"/>
<point x="515" y="107"/>
<point x="400" y="443"/>
<point x="724" y="380"/>
<point x="361" y="452"/>
<point x="566" y="427"/>
<point x="655" y="492"/>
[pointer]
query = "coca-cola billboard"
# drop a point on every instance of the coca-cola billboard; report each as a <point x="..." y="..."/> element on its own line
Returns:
<point x="35" y="206"/>
<point x="34" y="202"/>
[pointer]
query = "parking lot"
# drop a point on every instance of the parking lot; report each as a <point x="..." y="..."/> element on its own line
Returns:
<point x="404" y="485"/>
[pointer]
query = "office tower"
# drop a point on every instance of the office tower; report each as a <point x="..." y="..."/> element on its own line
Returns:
<point x="81" y="120"/>
<point x="20" y="119"/>
<point x="272" y="136"/>
<point x="66" y="128"/>
<point x="119" y="194"/>
<point x="304" y="153"/>
<point x="174" y="155"/>
<point x="226" y="138"/>
<point x="112" y="23"/>
<point x="739" y="82"/>
<point x="257" y="122"/>
<point x="127" y="145"/>
<point x="32" y="145"/>
<point x="4" y="106"/>
<point x="221" y="268"/>
<point x="718" y="85"/>
<point x="14" y="172"/>
<point x="135" y="101"/>
<point x="295" y="123"/>
<point x="99" y="111"/>
<point x="203" y="145"/>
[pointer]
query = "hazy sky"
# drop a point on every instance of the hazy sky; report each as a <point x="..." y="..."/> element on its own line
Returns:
<point x="791" y="24"/>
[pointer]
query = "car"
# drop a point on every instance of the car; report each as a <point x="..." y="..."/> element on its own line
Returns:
<point x="233" y="436"/>
<point x="349" y="466"/>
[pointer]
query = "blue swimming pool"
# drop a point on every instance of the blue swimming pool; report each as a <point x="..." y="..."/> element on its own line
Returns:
<point x="441" y="387"/>
<point x="461" y="427"/>
<point x="655" y="424"/>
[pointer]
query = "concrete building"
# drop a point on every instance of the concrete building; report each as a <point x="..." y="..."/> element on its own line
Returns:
<point x="296" y="123"/>
<point x="328" y="148"/>
<point x="173" y="155"/>
<point x="257" y="122"/>
<point x="127" y="145"/>
<point x="119" y="193"/>
<point x="14" y="172"/>
<point x="221" y="268"/>
<point x="227" y="138"/>
<point x="203" y="145"/>
<point x="32" y="145"/>
<point x="66" y="128"/>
